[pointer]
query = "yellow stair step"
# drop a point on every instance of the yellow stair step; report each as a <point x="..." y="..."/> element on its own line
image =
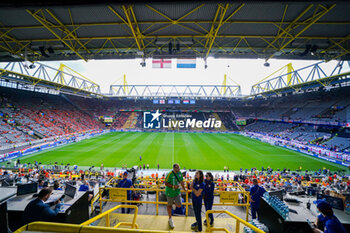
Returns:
<point x="152" y="222"/>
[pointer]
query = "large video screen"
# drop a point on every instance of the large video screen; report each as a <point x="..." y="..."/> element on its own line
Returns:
<point x="241" y="122"/>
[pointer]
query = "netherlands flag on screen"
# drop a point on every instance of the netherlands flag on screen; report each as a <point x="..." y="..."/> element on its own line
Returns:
<point x="186" y="63"/>
<point x="186" y="102"/>
<point x="161" y="63"/>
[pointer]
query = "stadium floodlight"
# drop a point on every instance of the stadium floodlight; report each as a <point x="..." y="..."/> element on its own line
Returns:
<point x="143" y="63"/>
<point x="266" y="64"/>
<point x="313" y="50"/>
<point x="205" y="64"/>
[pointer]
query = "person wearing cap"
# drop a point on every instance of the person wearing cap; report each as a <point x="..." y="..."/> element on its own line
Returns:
<point x="126" y="183"/>
<point x="327" y="221"/>
<point x="256" y="192"/>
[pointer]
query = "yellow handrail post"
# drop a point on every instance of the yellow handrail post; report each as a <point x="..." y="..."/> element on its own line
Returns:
<point x="238" y="219"/>
<point x="107" y="221"/>
<point x="247" y="207"/>
<point x="134" y="225"/>
<point x="187" y="203"/>
<point x="157" y="205"/>
<point x="237" y="226"/>
<point x="100" y="199"/>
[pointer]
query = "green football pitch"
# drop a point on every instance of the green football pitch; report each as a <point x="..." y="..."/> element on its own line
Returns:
<point x="191" y="150"/>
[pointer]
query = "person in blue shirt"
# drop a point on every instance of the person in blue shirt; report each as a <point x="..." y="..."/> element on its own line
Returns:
<point x="40" y="184"/>
<point x="38" y="210"/>
<point x="126" y="183"/>
<point x="84" y="187"/>
<point x="209" y="195"/>
<point x="56" y="185"/>
<point x="327" y="219"/>
<point x="256" y="192"/>
<point x="197" y="188"/>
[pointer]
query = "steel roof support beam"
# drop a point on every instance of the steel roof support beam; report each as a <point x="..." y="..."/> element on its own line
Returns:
<point x="172" y="21"/>
<point x="183" y="36"/>
<point x="166" y="22"/>
<point x="211" y="36"/>
<point x="290" y="26"/>
<point x="48" y="26"/>
<point x="20" y="45"/>
<point x="128" y="11"/>
<point x="314" y="19"/>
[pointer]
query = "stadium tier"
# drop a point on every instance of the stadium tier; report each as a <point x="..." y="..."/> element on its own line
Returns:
<point x="315" y="118"/>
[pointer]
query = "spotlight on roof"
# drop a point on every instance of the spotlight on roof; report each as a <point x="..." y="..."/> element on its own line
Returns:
<point x="313" y="50"/>
<point x="143" y="63"/>
<point x="205" y="64"/>
<point x="50" y="50"/>
<point x="42" y="51"/>
<point x="266" y="64"/>
<point x="31" y="66"/>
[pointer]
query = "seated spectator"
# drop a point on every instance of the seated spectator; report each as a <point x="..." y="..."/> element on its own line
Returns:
<point x="84" y="187"/>
<point x="38" y="210"/>
<point x="56" y="185"/>
<point x="327" y="221"/>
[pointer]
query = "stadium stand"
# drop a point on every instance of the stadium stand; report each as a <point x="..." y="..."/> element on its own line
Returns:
<point x="27" y="116"/>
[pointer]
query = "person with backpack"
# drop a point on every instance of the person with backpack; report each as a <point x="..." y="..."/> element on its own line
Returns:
<point x="172" y="190"/>
<point x="256" y="192"/>
<point x="126" y="183"/>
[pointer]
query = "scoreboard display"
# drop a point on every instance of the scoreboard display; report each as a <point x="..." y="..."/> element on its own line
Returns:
<point x="108" y="119"/>
<point x="241" y="122"/>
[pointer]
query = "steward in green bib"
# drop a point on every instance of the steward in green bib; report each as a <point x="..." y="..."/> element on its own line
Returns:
<point x="172" y="190"/>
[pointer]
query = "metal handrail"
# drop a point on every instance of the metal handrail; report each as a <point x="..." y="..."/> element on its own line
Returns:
<point x="75" y="228"/>
<point x="238" y="222"/>
<point x="133" y="224"/>
<point x="97" y="196"/>
<point x="186" y="203"/>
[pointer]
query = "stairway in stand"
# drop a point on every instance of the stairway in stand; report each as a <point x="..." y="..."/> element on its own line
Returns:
<point x="131" y="121"/>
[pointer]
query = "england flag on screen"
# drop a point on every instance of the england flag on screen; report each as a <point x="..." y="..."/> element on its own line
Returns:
<point x="162" y="101"/>
<point x="161" y="63"/>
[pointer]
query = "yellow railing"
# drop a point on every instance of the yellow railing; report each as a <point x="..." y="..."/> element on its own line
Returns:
<point x="106" y="214"/>
<point x="97" y="196"/>
<point x="238" y="222"/>
<point x="245" y="194"/>
<point x="75" y="228"/>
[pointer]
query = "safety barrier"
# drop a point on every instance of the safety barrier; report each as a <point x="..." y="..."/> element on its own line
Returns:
<point x="238" y="222"/>
<point x="107" y="213"/>
<point x="97" y="196"/>
<point x="75" y="228"/>
<point x="228" y="198"/>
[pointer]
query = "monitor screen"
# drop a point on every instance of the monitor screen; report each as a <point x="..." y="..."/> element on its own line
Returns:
<point x="27" y="188"/>
<point x="278" y="193"/>
<point x="335" y="202"/>
<point x="70" y="190"/>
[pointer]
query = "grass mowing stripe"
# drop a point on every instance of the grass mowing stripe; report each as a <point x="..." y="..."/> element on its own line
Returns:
<point x="191" y="150"/>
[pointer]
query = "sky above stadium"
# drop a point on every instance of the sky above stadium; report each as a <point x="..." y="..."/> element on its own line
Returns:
<point x="245" y="72"/>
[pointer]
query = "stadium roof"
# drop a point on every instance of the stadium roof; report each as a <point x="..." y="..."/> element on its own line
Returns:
<point x="68" y="30"/>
